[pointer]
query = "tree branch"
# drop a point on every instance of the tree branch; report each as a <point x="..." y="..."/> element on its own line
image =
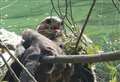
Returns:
<point x="95" y="58"/>
<point x="84" y="25"/>
<point x="16" y="59"/>
<point x="116" y="6"/>
<point x="10" y="69"/>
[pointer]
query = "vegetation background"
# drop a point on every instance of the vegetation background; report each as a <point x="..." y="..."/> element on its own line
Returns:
<point x="103" y="27"/>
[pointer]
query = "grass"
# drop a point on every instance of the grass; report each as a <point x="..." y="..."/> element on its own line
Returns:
<point x="103" y="26"/>
<point x="17" y="15"/>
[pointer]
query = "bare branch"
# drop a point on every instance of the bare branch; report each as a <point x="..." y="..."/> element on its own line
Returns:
<point x="71" y="13"/>
<point x="54" y="8"/>
<point x="95" y="58"/>
<point x="116" y="6"/>
<point x="59" y="9"/>
<point x="16" y="59"/>
<point x="86" y="21"/>
<point x="10" y="69"/>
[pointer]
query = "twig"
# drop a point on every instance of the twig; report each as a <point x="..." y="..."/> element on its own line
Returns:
<point x="71" y="29"/>
<point x="66" y="12"/>
<point x="10" y="69"/>
<point x="71" y="13"/>
<point x="61" y="14"/>
<point x="93" y="58"/>
<point x="83" y="28"/>
<point x="30" y="75"/>
<point x="59" y="9"/>
<point x="66" y="8"/>
<point x="54" y="8"/>
<point x="116" y="6"/>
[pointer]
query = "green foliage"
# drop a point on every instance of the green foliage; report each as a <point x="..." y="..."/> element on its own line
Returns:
<point x="85" y="47"/>
<point x="113" y="72"/>
<point x="103" y="27"/>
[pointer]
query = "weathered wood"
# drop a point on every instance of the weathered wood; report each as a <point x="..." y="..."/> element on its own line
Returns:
<point x="10" y="69"/>
<point x="95" y="58"/>
<point x="16" y="59"/>
<point x="10" y="39"/>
